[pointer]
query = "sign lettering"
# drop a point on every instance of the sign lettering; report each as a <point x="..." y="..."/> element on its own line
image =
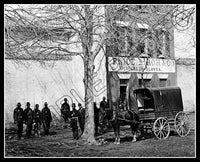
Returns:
<point x="128" y="64"/>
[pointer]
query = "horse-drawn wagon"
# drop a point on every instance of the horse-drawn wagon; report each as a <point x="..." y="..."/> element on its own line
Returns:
<point x="161" y="109"/>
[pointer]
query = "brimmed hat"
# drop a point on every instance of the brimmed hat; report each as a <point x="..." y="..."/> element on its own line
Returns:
<point x="73" y="105"/>
<point x="18" y="104"/>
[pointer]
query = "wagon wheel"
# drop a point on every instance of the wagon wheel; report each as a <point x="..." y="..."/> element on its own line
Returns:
<point x="182" y="124"/>
<point x="161" y="128"/>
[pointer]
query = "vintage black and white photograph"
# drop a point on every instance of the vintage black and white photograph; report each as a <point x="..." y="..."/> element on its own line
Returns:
<point x="99" y="80"/>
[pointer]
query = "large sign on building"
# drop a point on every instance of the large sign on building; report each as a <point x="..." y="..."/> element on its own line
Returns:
<point x="133" y="64"/>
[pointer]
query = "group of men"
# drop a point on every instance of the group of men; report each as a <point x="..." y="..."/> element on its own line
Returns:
<point x="32" y="118"/>
<point x="35" y="118"/>
<point x="76" y="118"/>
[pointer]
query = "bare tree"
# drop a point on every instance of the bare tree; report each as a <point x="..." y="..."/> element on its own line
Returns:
<point x="43" y="32"/>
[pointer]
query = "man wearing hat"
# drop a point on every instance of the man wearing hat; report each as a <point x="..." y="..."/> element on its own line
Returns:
<point x="18" y="119"/>
<point x="65" y="110"/>
<point x="74" y="121"/>
<point x="37" y="120"/>
<point x="81" y="117"/>
<point x="28" y="118"/>
<point x="46" y="118"/>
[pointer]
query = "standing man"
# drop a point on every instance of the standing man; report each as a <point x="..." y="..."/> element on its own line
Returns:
<point x="103" y="106"/>
<point x="18" y="119"/>
<point x="46" y="118"/>
<point x="81" y="117"/>
<point x="65" y="111"/>
<point x="74" y="121"/>
<point x="28" y="118"/>
<point x="37" y="120"/>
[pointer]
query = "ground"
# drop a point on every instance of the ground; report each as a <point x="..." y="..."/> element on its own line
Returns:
<point x="61" y="144"/>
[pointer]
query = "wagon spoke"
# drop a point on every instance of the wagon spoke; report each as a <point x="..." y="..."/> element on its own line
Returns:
<point x="166" y="131"/>
<point x="160" y="134"/>
<point x="165" y="124"/>
<point x="156" y="129"/>
<point x="161" y="122"/>
<point x="185" y="129"/>
<point x="178" y="123"/>
<point x="166" y="128"/>
<point x="179" y="128"/>
<point x="163" y="134"/>
<point x="182" y="133"/>
<point x="157" y="133"/>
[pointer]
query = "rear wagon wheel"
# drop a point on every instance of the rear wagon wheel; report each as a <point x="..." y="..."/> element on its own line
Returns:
<point x="161" y="128"/>
<point x="182" y="124"/>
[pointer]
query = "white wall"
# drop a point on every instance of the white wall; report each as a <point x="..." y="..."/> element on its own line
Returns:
<point x="186" y="79"/>
<point x="185" y="47"/>
<point x="38" y="84"/>
<point x="186" y="74"/>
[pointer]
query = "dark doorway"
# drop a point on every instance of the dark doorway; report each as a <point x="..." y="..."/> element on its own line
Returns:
<point x="122" y="92"/>
<point x="123" y="85"/>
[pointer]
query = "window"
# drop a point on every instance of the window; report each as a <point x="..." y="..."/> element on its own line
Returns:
<point x="123" y="40"/>
<point x="162" y="42"/>
<point x="163" y="83"/>
<point x="140" y="37"/>
<point x="146" y="82"/>
<point x="153" y="43"/>
<point x="129" y="41"/>
<point x="167" y="43"/>
<point x="124" y="81"/>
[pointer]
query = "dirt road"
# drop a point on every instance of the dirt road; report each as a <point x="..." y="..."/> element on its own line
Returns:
<point x="61" y="144"/>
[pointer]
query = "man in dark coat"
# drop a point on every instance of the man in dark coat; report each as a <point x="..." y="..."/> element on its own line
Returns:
<point x="81" y="117"/>
<point x="37" y="120"/>
<point x="74" y="114"/>
<point x="103" y="106"/>
<point x="28" y="118"/>
<point x="18" y="119"/>
<point x="46" y="118"/>
<point x="65" y="110"/>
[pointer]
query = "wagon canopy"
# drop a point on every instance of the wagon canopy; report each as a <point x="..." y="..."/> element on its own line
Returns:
<point x="165" y="99"/>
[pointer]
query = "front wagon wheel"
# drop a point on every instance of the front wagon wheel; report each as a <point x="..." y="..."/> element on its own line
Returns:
<point x="161" y="128"/>
<point x="182" y="124"/>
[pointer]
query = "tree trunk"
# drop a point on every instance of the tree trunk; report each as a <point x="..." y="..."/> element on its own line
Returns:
<point x="87" y="41"/>
<point x="89" y="130"/>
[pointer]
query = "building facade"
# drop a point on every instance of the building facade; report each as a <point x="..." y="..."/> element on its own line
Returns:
<point x="142" y="53"/>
